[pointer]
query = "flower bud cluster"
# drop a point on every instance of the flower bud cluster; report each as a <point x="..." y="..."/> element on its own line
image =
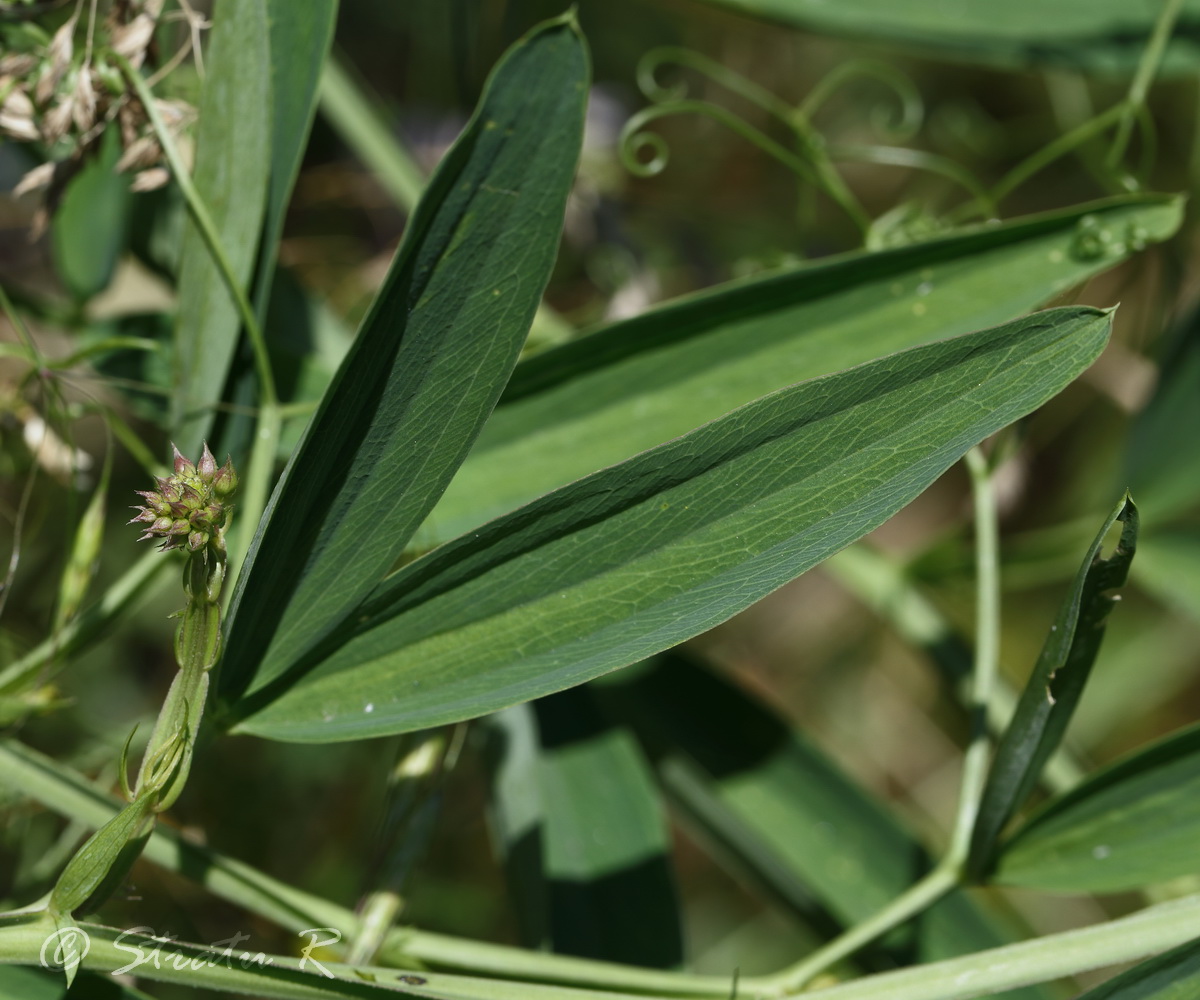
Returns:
<point x="190" y="509"/>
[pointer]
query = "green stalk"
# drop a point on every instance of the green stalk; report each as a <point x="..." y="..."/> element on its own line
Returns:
<point x="1127" y="939"/>
<point x="948" y="872"/>
<point x="60" y="788"/>
<point x="1140" y="85"/>
<point x="169" y="753"/>
<point x="1060" y="147"/>
<point x="256" y="483"/>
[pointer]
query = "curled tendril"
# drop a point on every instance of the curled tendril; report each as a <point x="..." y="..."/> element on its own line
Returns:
<point x="916" y="159"/>
<point x="895" y="124"/>
<point x="634" y="140"/>
<point x="811" y="165"/>
<point x="655" y="59"/>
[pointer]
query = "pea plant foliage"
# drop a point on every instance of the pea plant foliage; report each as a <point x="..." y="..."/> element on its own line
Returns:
<point x="468" y="531"/>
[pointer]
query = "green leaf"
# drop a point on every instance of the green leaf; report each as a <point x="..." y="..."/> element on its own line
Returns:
<point x="428" y="364"/>
<point x="232" y="155"/>
<point x="766" y="798"/>
<point x="1054" y="687"/>
<point x="1174" y="975"/>
<point x="104" y="860"/>
<point x="1099" y="36"/>
<point x="638" y="383"/>
<point x="1131" y="824"/>
<point x="586" y="846"/>
<point x="89" y="226"/>
<point x="300" y="37"/>
<point x="641" y="556"/>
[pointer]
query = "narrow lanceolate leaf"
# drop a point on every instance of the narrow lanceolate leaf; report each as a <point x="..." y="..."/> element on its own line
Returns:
<point x="1054" y="688"/>
<point x="232" y="152"/>
<point x="781" y="814"/>
<point x="641" y="556"/>
<point x="1102" y="36"/>
<point x="635" y="384"/>
<point x="428" y="365"/>
<point x="1132" y="824"/>
<point x="1173" y="975"/>
<point x="586" y="842"/>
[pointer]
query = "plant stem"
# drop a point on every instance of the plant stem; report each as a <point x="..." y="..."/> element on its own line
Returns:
<point x="1147" y="932"/>
<point x="948" y="872"/>
<point x="913" y="900"/>
<point x="256" y="482"/>
<point x="59" y="788"/>
<point x="987" y="654"/>
<point x="1140" y="85"/>
<point x="1060" y="147"/>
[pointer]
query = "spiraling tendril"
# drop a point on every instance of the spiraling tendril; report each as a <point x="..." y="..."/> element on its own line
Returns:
<point x="810" y="163"/>
<point x="634" y="141"/>
<point x="894" y="124"/>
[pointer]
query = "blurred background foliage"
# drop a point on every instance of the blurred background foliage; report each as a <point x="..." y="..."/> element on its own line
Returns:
<point x="721" y="209"/>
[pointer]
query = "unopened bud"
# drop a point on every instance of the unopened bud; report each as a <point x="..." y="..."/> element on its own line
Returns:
<point x="225" y="482"/>
<point x="190" y="507"/>
<point x="206" y="468"/>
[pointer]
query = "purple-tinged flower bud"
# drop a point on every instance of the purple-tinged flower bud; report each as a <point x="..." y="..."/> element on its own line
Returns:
<point x="225" y="482"/>
<point x="182" y="466"/>
<point x="168" y="489"/>
<point x="206" y="468"/>
<point x="188" y="507"/>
